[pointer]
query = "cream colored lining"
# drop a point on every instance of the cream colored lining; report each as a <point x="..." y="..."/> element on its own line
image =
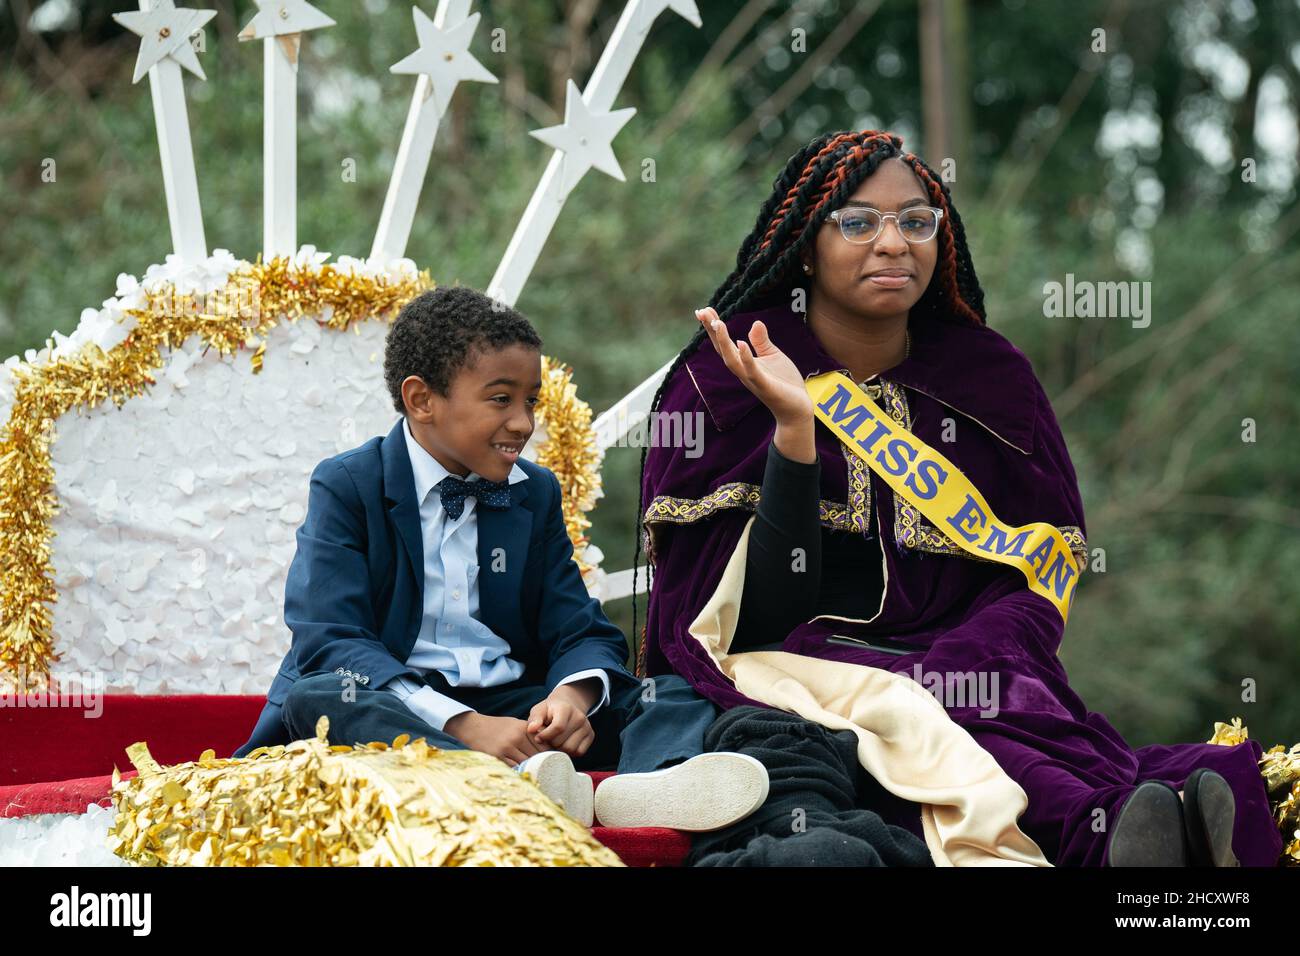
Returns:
<point x="906" y="740"/>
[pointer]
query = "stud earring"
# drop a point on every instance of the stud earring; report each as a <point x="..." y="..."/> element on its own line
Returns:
<point x="807" y="268"/>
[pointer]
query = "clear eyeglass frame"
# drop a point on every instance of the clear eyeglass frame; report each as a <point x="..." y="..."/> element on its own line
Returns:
<point x="836" y="215"/>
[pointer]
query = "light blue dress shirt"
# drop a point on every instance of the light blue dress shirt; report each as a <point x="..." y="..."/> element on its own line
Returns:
<point x="453" y="639"/>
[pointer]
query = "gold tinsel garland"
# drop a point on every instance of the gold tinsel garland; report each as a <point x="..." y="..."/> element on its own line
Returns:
<point x="1280" y="768"/>
<point x="312" y="804"/>
<point x="239" y="315"/>
<point x="570" y="450"/>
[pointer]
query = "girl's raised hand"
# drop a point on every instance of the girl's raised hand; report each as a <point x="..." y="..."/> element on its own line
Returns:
<point x="763" y="369"/>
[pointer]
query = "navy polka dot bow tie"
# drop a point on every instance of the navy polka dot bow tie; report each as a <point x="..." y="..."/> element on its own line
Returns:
<point x="454" y="491"/>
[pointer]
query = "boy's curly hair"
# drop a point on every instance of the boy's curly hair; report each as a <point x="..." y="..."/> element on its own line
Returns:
<point x="437" y="333"/>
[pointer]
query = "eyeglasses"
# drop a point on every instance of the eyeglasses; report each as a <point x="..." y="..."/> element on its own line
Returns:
<point x="862" y="224"/>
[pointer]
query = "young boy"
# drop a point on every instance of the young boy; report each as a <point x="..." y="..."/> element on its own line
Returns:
<point x="434" y="593"/>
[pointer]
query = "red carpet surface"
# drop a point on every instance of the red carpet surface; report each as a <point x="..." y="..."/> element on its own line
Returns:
<point x="59" y="759"/>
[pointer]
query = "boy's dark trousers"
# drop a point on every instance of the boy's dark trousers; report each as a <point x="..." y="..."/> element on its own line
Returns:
<point x="636" y="731"/>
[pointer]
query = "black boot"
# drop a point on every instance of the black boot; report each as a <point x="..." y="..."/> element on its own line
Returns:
<point x="1149" y="829"/>
<point x="810" y="817"/>
<point x="1209" y="810"/>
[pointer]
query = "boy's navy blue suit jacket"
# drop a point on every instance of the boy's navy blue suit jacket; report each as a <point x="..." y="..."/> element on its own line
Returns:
<point x="354" y="597"/>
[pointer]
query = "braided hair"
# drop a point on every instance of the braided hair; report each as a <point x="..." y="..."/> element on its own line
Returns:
<point x="815" y="181"/>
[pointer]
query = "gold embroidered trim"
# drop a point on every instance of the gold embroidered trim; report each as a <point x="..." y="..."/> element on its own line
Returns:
<point x="854" y="515"/>
<point x="859" y="472"/>
<point x="734" y="494"/>
<point x="859" y="510"/>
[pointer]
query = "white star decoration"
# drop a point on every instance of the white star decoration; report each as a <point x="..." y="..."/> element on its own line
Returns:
<point x="165" y="31"/>
<point x="584" y="139"/>
<point x="285" y="20"/>
<point x="444" y="57"/>
<point x="650" y="9"/>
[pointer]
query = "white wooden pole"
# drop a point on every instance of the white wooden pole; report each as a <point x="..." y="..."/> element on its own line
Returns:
<point x="619" y="584"/>
<point x="418" y="136"/>
<point x="279" y="152"/>
<point x="180" y="181"/>
<point x="280" y="24"/>
<point x="530" y="235"/>
<point x="615" y="422"/>
<point x="165" y="46"/>
<point x="610" y="428"/>
<point x="548" y="198"/>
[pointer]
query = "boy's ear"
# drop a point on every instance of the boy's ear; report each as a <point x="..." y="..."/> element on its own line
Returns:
<point x="418" y="397"/>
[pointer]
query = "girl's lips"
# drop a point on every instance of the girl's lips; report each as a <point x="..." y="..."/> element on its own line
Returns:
<point x="890" y="282"/>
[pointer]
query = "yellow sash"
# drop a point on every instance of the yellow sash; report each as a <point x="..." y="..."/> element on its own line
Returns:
<point x="941" y="492"/>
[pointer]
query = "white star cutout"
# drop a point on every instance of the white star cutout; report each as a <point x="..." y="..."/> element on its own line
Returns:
<point x="165" y="31"/>
<point x="650" y="9"/>
<point x="444" y="57"/>
<point x="584" y="139"/>
<point x="286" y="20"/>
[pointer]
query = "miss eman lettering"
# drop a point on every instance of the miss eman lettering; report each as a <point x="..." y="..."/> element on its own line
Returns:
<point x="1056" y="569"/>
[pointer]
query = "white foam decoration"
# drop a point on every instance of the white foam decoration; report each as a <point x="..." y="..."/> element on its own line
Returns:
<point x="59" y="839"/>
<point x="179" y="511"/>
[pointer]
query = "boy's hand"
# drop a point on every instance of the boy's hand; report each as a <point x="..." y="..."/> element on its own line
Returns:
<point x="506" y="738"/>
<point x="559" y="722"/>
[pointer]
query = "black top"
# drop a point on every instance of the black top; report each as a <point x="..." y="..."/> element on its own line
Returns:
<point x="839" y="572"/>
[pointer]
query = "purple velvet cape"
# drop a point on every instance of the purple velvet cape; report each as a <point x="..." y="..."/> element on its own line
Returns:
<point x="972" y="616"/>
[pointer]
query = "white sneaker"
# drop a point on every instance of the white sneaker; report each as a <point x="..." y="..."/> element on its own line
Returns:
<point x="707" y="792"/>
<point x="553" y="772"/>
